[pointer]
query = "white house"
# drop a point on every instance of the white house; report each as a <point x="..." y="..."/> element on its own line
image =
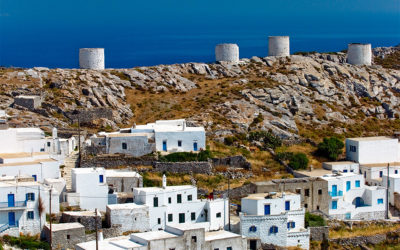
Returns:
<point x="180" y="205"/>
<point x="373" y="173"/>
<point x="59" y="147"/>
<point x="373" y="150"/>
<point x="39" y="165"/>
<point x="163" y="135"/>
<point x="19" y="200"/>
<point x="274" y="218"/>
<point x="350" y="198"/>
<point x="89" y="189"/>
<point x="342" y="166"/>
<point x="394" y="185"/>
<point x="178" y="237"/>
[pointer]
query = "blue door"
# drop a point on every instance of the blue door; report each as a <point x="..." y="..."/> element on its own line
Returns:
<point x="194" y="146"/>
<point x="11" y="218"/>
<point x="11" y="201"/>
<point x="164" y="145"/>
<point x="348" y="185"/>
<point x="334" y="190"/>
<point x="34" y="177"/>
<point x="287" y="205"/>
<point x="267" y="209"/>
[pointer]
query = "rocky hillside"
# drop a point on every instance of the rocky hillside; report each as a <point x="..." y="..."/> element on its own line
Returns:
<point x="301" y="96"/>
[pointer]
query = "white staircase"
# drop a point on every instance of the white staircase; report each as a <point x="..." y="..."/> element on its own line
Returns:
<point x="70" y="163"/>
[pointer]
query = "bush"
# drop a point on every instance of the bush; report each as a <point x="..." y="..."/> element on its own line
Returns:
<point x="299" y="161"/>
<point x="284" y="156"/>
<point x="268" y="139"/>
<point x="26" y="242"/>
<point x="313" y="220"/>
<point x="229" y="140"/>
<point x="203" y="155"/>
<point x="330" y="148"/>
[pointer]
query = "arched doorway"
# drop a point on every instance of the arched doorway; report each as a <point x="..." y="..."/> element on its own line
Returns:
<point x="358" y="202"/>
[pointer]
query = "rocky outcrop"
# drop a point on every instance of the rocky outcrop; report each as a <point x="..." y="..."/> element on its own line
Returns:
<point x="313" y="89"/>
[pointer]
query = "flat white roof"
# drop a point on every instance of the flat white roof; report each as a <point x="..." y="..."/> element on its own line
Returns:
<point x="167" y="188"/>
<point x="10" y="183"/>
<point x="27" y="96"/>
<point x="373" y="138"/>
<point x="155" y="235"/>
<point x="82" y="213"/>
<point x="87" y="170"/>
<point x="269" y="196"/>
<point x="220" y="235"/>
<point x="189" y="226"/>
<point x="338" y="176"/>
<point x="65" y="226"/>
<point x="340" y="163"/>
<point x="125" y="206"/>
<point x="116" y="243"/>
<point x="123" y="173"/>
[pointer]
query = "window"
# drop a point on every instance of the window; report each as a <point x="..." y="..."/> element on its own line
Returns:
<point x="267" y="209"/>
<point x="253" y="229"/>
<point x="159" y="221"/>
<point x="155" y="202"/>
<point x="353" y="148"/>
<point x="30" y="215"/>
<point x="352" y="170"/>
<point x="291" y="224"/>
<point x="30" y="196"/>
<point x="48" y="144"/>
<point x="179" y="143"/>
<point x="182" y="218"/>
<point x="179" y="198"/>
<point x="194" y="238"/>
<point x="317" y="207"/>
<point x="357" y="184"/>
<point x="380" y="173"/>
<point x="170" y="218"/>
<point x="396" y="171"/>
<point x="229" y="248"/>
<point x="169" y="200"/>
<point x="319" y="191"/>
<point x="273" y="230"/>
<point x="348" y="185"/>
<point x="34" y="177"/>
<point x="365" y="174"/>
<point x="42" y="150"/>
<point x="219" y="215"/>
<point x="124" y="146"/>
<point x="307" y="192"/>
<point x="189" y="197"/>
<point x="68" y="236"/>
<point x="164" y="145"/>
<point x="193" y="216"/>
<point x="298" y="190"/>
<point x="380" y="201"/>
<point x="287" y="205"/>
<point x="101" y="178"/>
<point x="344" y="170"/>
<point x="334" y="204"/>
<point x="306" y="205"/>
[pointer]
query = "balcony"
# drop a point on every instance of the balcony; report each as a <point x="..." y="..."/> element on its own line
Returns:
<point x="16" y="205"/>
<point x="336" y="194"/>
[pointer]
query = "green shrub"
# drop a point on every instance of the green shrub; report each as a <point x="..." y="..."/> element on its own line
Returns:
<point x="330" y="148"/>
<point x="203" y="155"/>
<point x="26" y="242"/>
<point x="229" y="140"/>
<point x="299" y="161"/>
<point x="268" y="139"/>
<point x="284" y="156"/>
<point x="313" y="220"/>
<point x="257" y="120"/>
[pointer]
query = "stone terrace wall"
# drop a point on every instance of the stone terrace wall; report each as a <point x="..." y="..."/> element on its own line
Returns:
<point x="237" y="161"/>
<point x="88" y="116"/>
<point x="113" y="161"/>
<point x="184" y="167"/>
<point x="317" y="233"/>
<point x="360" y="240"/>
<point x="89" y="222"/>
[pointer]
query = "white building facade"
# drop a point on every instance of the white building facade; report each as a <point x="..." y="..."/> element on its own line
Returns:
<point x="350" y="198"/>
<point x="274" y="218"/>
<point x="19" y="211"/>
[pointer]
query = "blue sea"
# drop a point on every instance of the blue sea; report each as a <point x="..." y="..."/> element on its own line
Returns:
<point x="141" y="46"/>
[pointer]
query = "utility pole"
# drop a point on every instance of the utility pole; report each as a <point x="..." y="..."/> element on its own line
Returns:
<point x="95" y="222"/>
<point x="79" y="140"/>
<point x="387" y="193"/>
<point x="51" y="229"/>
<point x="229" y="202"/>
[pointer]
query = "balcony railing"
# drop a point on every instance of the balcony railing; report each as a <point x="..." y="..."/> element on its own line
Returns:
<point x="16" y="204"/>
<point x="7" y="226"/>
<point x="336" y="194"/>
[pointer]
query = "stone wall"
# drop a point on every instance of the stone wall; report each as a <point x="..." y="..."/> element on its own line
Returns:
<point x="318" y="233"/>
<point x="239" y="192"/>
<point x="89" y="115"/>
<point x="360" y="240"/>
<point x="203" y="167"/>
<point x="89" y="222"/>
<point x="65" y="239"/>
<point x="113" y="161"/>
<point x="237" y="161"/>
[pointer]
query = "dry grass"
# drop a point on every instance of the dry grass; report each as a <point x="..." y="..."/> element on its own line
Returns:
<point x="362" y="231"/>
<point x="307" y="149"/>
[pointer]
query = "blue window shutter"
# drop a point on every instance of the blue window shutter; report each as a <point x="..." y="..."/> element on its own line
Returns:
<point x="287" y="205"/>
<point x="101" y="178"/>
<point x="26" y="196"/>
<point x="293" y="224"/>
<point x="33" y="196"/>
<point x="288" y="225"/>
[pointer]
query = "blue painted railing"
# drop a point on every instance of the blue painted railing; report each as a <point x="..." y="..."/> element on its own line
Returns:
<point x="339" y="193"/>
<point x="7" y="226"/>
<point x="16" y="204"/>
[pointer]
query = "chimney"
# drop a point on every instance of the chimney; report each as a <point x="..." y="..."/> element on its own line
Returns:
<point x="100" y="235"/>
<point x="54" y="132"/>
<point x="164" y="181"/>
<point x="184" y="125"/>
